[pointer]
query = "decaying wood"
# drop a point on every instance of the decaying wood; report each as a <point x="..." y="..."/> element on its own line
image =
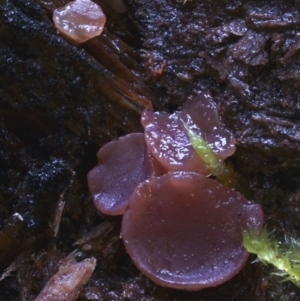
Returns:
<point x="67" y="283"/>
<point x="59" y="103"/>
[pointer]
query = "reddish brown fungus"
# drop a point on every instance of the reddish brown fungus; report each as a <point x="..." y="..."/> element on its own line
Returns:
<point x="80" y="20"/>
<point x="123" y="164"/>
<point x="184" y="230"/>
<point x="169" y="143"/>
<point x="200" y="113"/>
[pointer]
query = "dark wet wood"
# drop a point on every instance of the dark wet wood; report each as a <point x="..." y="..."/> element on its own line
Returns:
<point x="59" y="103"/>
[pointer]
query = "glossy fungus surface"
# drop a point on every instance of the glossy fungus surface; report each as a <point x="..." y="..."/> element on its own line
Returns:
<point x="184" y="230"/>
<point x="79" y="20"/>
<point x="201" y="115"/>
<point x="169" y="143"/>
<point x="122" y="165"/>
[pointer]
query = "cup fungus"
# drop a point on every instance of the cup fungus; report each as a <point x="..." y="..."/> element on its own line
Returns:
<point x="79" y="20"/>
<point x="200" y="113"/>
<point x="169" y="143"/>
<point x="123" y="164"/>
<point x="184" y="230"/>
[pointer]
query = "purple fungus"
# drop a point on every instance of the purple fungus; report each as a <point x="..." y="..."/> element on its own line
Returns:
<point x="79" y="20"/>
<point x="201" y="115"/>
<point x="122" y="165"/>
<point x="169" y="143"/>
<point x="184" y="230"/>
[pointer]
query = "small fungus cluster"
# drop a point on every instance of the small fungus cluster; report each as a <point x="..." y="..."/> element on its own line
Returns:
<point x="79" y="20"/>
<point x="181" y="228"/>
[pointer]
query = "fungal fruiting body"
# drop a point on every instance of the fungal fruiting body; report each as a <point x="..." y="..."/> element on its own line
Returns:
<point x="200" y="113"/>
<point x="184" y="230"/>
<point x="169" y="142"/>
<point x="164" y="147"/>
<point x="223" y="172"/>
<point x="79" y="20"/>
<point x="122" y="165"/>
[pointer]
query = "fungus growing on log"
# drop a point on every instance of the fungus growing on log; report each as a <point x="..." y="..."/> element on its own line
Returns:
<point x="169" y="143"/>
<point x="184" y="230"/>
<point x="200" y="113"/>
<point x="223" y="172"/>
<point x="79" y="20"/>
<point x="122" y="165"/>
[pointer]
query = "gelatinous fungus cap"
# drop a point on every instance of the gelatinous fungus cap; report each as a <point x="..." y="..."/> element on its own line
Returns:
<point x="181" y="229"/>
<point x="122" y="165"/>
<point x="169" y="143"/>
<point x="79" y="20"/>
<point x="184" y="230"/>
<point x="200" y="113"/>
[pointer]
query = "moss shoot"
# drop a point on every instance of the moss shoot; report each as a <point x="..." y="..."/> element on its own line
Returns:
<point x="224" y="173"/>
<point x="284" y="256"/>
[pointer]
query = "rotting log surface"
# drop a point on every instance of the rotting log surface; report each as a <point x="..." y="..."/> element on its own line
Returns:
<point x="59" y="103"/>
<point x="246" y="53"/>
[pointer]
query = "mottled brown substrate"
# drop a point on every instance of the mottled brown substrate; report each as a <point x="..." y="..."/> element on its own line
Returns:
<point x="59" y="103"/>
<point x="246" y="54"/>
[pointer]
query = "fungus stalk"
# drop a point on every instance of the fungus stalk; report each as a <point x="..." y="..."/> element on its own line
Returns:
<point x="224" y="173"/>
<point x="285" y="257"/>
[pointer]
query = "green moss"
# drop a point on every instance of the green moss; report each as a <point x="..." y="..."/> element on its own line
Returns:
<point x="284" y="256"/>
<point x="224" y="173"/>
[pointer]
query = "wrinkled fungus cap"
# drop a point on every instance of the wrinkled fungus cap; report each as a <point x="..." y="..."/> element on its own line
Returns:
<point x="169" y="143"/>
<point x="79" y="20"/>
<point x="122" y="165"/>
<point x="184" y="230"/>
<point x="200" y="113"/>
